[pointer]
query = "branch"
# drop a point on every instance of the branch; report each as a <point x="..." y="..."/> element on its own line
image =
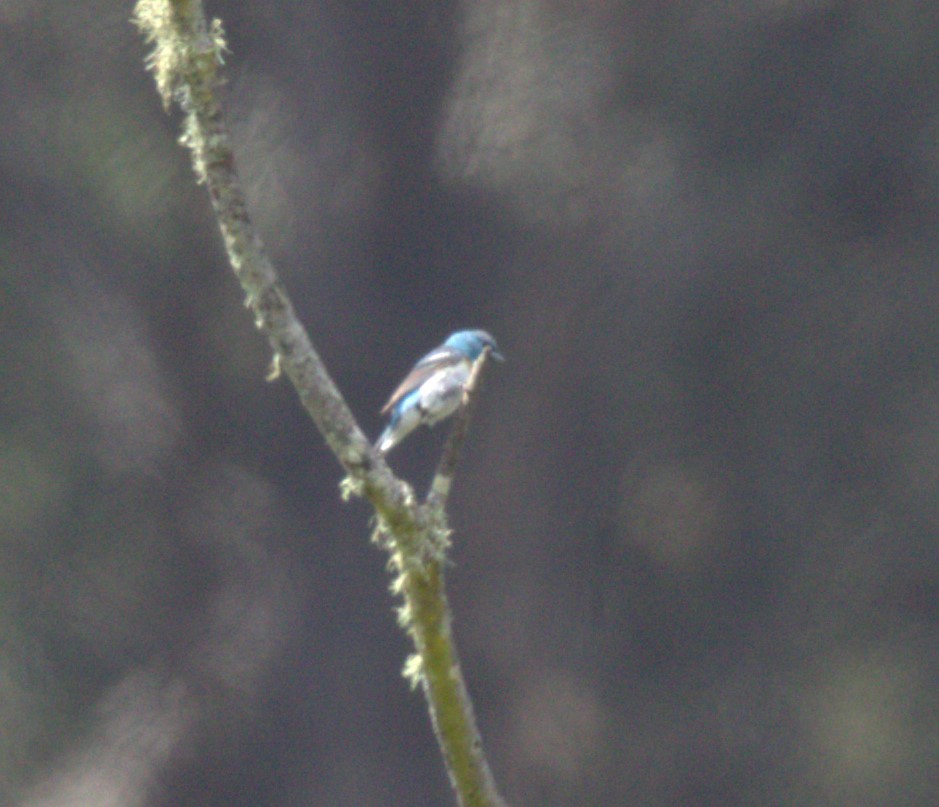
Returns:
<point x="443" y="479"/>
<point x="185" y="60"/>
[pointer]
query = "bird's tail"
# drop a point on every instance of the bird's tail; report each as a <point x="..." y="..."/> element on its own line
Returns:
<point x="386" y="441"/>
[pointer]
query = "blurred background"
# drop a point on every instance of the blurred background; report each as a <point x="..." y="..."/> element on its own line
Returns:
<point x="695" y="557"/>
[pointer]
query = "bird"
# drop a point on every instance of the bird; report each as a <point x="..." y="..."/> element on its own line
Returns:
<point x="433" y="390"/>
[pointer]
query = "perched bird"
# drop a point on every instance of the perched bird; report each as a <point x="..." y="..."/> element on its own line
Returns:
<point x="433" y="390"/>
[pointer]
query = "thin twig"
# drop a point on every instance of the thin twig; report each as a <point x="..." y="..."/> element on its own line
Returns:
<point x="442" y="482"/>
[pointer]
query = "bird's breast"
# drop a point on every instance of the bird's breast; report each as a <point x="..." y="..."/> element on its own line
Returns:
<point x="442" y="393"/>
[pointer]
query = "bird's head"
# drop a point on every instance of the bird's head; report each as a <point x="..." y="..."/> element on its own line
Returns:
<point x="472" y="343"/>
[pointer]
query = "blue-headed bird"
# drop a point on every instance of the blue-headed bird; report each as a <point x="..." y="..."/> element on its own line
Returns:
<point x="433" y="390"/>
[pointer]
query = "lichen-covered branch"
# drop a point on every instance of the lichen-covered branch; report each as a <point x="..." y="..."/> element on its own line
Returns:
<point x="187" y="53"/>
<point x="442" y="680"/>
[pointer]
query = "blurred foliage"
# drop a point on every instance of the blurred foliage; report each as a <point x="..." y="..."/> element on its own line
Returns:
<point x="696" y="528"/>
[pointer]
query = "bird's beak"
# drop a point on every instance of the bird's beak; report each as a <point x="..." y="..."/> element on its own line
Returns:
<point x="496" y="354"/>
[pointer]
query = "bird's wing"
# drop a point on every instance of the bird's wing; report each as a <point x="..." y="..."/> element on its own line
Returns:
<point x="424" y="369"/>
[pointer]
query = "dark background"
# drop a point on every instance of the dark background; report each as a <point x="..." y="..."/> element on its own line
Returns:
<point x="695" y="556"/>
